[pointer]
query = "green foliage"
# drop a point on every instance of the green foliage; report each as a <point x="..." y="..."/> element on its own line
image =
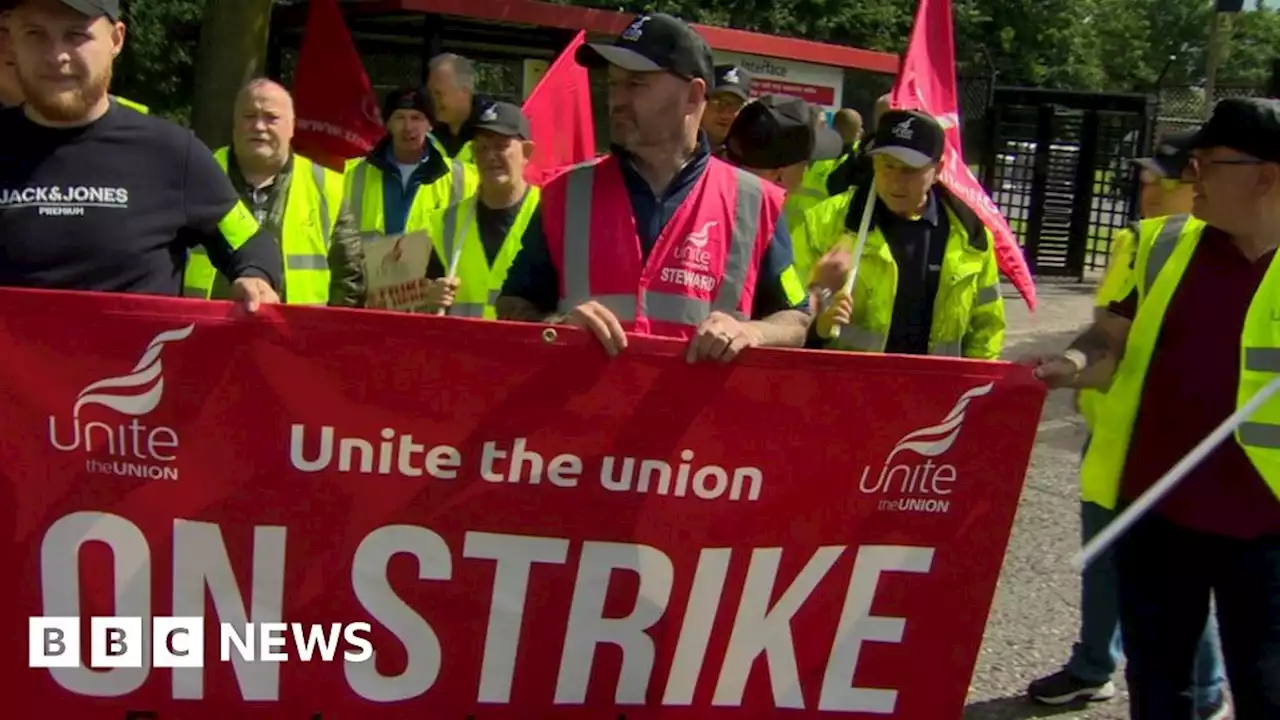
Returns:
<point x="156" y="67"/>
<point x="1094" y="45"/>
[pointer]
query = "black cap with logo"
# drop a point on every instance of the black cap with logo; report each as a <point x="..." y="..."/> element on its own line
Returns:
<point x="96" y="8"/>
<point x="1247" y="125"/>
<point x="775" y="131"/>
<point x="1171" y="156"/>
<point x="913" y="137"/>
<point x="652" y="43"/>
<point x="732" y="79"/>
<point x="505" y="119"/>
<point x="412" y="98"/>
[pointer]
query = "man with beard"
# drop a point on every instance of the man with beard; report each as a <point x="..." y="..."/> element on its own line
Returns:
<point x="10" y="93"/>
<point x="95" y="197"/>
<point x="659" y="237"/>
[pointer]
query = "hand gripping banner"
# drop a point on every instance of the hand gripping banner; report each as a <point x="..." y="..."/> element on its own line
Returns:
<point x="320" y="513"/>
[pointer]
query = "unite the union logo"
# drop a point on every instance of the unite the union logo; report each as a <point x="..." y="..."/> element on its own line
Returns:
<point x="125" y="448"/>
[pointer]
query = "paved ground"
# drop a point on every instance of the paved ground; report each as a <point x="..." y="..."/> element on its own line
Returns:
<point x="1035" y="615"/>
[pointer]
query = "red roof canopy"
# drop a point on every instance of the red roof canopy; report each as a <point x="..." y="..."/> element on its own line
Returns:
<point x="568" y="17"/>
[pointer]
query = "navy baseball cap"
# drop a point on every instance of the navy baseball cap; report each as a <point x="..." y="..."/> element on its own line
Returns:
<point x="505" y="119"/>
<point x="910" y="136"/>
<point x="1247" y="125"/>
<point x="651" y="43"/>
<point x="1171" y="156"/>
<point x="96" y="8"/>
<point x="732" y="79"/>
<point x="410" y="98"/>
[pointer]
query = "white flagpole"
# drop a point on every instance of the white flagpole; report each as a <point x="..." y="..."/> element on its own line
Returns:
<point x="864" y="226"/>
<point x="1155" y="493"/>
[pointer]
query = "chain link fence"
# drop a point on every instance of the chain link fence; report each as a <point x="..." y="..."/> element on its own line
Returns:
<point x="1184" y="107"/>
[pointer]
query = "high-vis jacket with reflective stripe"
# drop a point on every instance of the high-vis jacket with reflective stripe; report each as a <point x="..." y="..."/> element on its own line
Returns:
<point x="310" y="213"/>
<point x="364" y="194"/>
<point x="454" y="230"/>
<point x="1159" y="269"/>
<point x="812" y="190"/>
<point x="706" y="259"/>
<point x="1117" y="283"/>
<point x="968" y="313"/>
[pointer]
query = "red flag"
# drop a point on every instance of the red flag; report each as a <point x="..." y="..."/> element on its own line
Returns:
<point x="560" y="117"/>
<point x="927" y="82"/>
<point x="337" y="110"/>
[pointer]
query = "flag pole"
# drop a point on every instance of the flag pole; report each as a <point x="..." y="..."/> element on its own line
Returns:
<point x="1166" y="484"/>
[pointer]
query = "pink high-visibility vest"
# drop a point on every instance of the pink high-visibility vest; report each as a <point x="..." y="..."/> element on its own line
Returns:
<point x="706" y="259"/>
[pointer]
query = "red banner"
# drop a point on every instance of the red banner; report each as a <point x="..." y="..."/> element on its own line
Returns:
<point x="531" y="529"/>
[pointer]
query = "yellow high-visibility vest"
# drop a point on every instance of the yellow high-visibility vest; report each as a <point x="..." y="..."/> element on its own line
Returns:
<point x="310" y="213"/>
<point x="1159" y="269"/>
<point x="454" y="229"/>
<point x="1117" y="283"/>
<point x="812" y="190"/>
<point x="968" y="314"/>
<point x="364" y="194"/>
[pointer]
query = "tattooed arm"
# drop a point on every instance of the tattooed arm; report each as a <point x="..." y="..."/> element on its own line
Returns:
<point x="1091" y="359"/>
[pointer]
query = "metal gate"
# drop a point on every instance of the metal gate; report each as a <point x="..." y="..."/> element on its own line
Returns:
<point x="1057" y="164"/>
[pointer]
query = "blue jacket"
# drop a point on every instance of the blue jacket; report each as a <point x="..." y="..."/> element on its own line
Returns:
<point x="396" y="196"/>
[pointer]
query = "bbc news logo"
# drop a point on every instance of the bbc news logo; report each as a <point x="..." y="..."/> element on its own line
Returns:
<point x="179" y="642"/>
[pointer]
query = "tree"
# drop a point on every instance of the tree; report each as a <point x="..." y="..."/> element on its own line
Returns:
<point x="233" y="50"/>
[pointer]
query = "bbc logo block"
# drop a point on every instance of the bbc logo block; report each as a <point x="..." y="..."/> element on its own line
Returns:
<point x="116" y="642"/>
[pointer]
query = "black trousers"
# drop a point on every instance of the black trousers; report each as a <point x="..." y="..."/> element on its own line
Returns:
<point x="1166" y="576"/>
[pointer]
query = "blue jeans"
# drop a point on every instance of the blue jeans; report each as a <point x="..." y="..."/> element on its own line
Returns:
<point x="1095" y="656"/>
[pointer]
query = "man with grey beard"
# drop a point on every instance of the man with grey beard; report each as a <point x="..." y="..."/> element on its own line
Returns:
<point x="97" y="197"/>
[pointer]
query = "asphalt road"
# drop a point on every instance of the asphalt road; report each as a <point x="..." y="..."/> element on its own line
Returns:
<point x="1035" y="616"/>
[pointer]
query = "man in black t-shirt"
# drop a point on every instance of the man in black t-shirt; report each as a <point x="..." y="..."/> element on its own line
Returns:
<point x="97" y="197"/>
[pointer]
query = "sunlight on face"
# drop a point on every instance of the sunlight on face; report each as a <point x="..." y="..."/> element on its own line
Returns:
<point x="902" y="188"/>
<point x="264" y="122"/>
<point x="63" y="59"/>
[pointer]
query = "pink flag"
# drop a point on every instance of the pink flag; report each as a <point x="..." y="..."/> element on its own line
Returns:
<point x="927" y="82"/>
<point x="560" y="118"/>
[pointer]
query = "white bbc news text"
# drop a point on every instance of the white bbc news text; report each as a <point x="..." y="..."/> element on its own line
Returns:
<point x="179" y="642"/>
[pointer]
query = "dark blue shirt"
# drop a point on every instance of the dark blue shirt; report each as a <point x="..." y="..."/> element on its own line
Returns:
<point x="397" y="196"/>
<point x="533" y="276"/>
<point x="918" y="247"/>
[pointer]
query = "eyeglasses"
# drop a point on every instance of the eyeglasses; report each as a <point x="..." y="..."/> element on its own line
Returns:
<point x="1197" y="165"/>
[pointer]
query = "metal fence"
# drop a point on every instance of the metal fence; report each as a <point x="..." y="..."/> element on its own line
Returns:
<point x="1183" y="107"/>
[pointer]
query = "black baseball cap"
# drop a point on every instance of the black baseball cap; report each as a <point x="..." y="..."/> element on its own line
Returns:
<point x="1171" y="156"/>
<point x="732" y="79"/>
<point x="1247" y="125"/>
<point x="913" y="137"/>
<point x="96" y="8"/>
<point x="653" y="42"/>
<point x="409" y="98"/>
<point x="505" y="119"/>
<point x="775" y="131"/>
